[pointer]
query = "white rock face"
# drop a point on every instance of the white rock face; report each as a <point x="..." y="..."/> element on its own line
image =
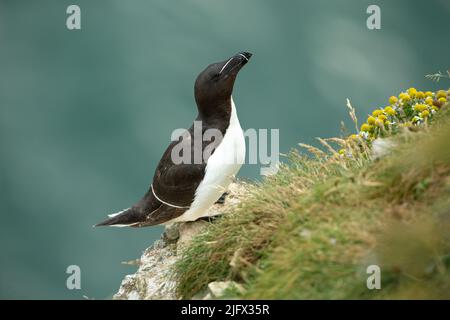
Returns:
<point x="154" y="279"/>
<point x="382" y="147"/>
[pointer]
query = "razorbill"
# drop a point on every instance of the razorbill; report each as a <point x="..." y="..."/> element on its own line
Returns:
<point x="185" y="191"/>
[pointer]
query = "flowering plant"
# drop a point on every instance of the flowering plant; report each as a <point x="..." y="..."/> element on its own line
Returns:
<point x="411" y="108"/>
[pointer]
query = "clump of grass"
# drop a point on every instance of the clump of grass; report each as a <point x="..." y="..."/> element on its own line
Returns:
<point x="311" y="230"/>
<point x="391" y="213"/>
<point x="234" y="246"/>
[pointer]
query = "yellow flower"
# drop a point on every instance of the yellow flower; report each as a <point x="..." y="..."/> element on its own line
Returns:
<point x="420" y="95"/>
<point x="371" y="120"/>
<point x="424" y="113"/>
<point x="393" y="100"/>
<point x="429" y="101"/>
<point x="412" y="92"/>
<point x="442" y="100"/>
<point x="382" y="117"/>
<point x="420" y="107"/>
<point x="404" y="96"/>
<point x="342" y="151"/>
<point x="434" y="108"/>
<point x="429" y="94"/>
<point x="379" y="122"/>
<point x="441" y="94"/>
<point x="390" y="111"/>
<point x="365" y="127"/>
<point x="353" y="137"/>
<point x="377" y="112"/>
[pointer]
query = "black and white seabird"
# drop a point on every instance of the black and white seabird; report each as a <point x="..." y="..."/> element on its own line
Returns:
<point x="185" y="191"/>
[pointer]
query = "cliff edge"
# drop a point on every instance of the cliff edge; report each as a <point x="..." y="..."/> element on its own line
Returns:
<point x="155" y="279"/>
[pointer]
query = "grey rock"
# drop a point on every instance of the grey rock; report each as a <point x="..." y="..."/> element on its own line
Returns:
<point x="189" y="230"/>
<point x="171" y="233"/>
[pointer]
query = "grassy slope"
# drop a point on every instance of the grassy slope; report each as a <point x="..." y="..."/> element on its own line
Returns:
<point x="311" y="230"/>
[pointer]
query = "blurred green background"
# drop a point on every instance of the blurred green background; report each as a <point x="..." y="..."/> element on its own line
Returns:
<point x="85" y="115"/>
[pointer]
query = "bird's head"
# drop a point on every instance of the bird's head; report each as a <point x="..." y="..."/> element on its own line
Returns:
<point x="214" y="85"/>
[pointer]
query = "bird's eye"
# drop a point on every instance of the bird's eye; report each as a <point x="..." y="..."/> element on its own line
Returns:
<point x="215" y="76"/>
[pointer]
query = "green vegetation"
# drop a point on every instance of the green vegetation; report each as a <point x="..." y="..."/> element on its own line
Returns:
<point x="311" y="230"/>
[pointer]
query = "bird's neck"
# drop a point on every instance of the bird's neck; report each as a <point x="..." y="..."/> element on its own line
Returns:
<point x="216" y="115"/>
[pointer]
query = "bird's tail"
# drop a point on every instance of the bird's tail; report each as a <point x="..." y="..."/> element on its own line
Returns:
<point x="126" y="218"/>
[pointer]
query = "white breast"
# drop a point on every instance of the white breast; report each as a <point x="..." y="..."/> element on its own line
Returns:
<point x="221" y="167"/>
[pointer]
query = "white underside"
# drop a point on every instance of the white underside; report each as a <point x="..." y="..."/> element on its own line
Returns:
<point x="220" y="170"/>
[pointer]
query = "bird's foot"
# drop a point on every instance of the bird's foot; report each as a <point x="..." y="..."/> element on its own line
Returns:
<point x="222" y="198"/>
<point x="209" y="219"/>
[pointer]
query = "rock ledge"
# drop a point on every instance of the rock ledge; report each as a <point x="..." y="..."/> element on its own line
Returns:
<point x="154" y="279"/>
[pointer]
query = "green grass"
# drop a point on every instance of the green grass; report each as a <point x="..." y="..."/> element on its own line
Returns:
<point x="311" y="230"/>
